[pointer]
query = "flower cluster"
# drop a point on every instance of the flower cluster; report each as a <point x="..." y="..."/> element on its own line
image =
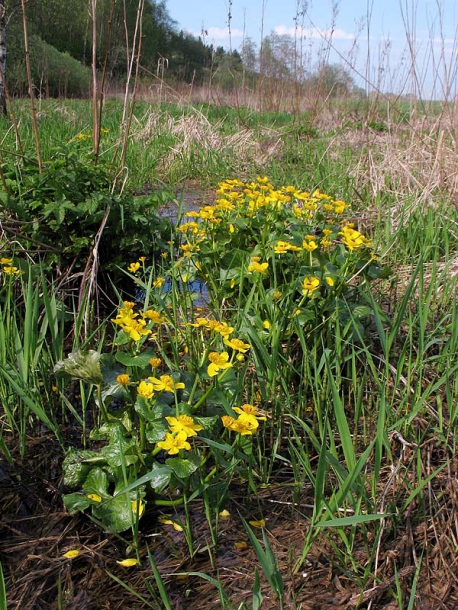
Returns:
<point x="247" y="421"/>
<point x="278" y="238"/>
<point x="8" y="268"/>
<point x="181" y="428"/>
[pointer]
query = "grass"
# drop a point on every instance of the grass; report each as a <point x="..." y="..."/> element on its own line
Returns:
<point x="351" y="476"/>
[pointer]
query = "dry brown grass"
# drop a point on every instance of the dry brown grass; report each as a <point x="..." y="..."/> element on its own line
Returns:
<point x="35" y="532"/>
<point x="194" y="133"/>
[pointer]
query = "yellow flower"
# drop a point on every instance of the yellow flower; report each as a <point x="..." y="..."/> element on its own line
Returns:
<point x="133" y="267"/>
<point x="200" y="322"/>
<point x="244" y="424"/>
<point x="309" y="285"/>
<point x="128" y="563"/>
<point x="329" y="281"/>
<point x="159" y="282"/>
<point x="266" y="324"/>
<point x="123" y="379"/>
<point x="165" y="384"/>
<point x="138" y="507"/>
<point x="71" y="554"/>
<point x="256" y="267"/>
<point x="153" y="315"/>
<point x="228" y="421"/>
<point x="145" y="389"/>
<point x="237" y="344"/>
<point x="155" y="362"/>
<point x="184" y="423"/>
<point x="218" y="362"/>
<point x="250" y="410"/>
<point x="352" y="238"/>
<point x="283" y="246"/>
<point x="339" y="207"/>
<point x="135" y="329"/>
<point x="167" y="521"/>
<point x="142" y="259"/>
<point x="259" y="523"/>
<point x="11" y="270"/>
<point x="94" y="497"/>
<point x="225" y="515"/>
<point x="309" y="244"/>
<point x="174" y="442"/>
<point x="223" y="329"/>
<point x="5" y="261"/>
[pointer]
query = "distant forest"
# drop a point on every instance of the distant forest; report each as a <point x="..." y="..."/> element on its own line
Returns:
<point x="60" y="50"/>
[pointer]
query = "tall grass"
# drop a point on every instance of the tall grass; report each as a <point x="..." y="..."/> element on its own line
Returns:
<point x="354" y="402"/>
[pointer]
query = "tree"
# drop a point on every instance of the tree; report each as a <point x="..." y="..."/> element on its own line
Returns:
<point x="332" y="80"/>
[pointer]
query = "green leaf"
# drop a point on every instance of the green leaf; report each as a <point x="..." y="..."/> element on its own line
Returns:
<point x="76" y="502"/>
<point x="120" y="451"/>
<point x="75" y="469"/>
<point x="353" y="520"/>
<point x="97" y="482"/>
<point x="183" y="468"/>
<point x="84" y="365"/>
<point x="115" y="513"/>
<point x="158" y="477"/>
<point x="140" y="360"/>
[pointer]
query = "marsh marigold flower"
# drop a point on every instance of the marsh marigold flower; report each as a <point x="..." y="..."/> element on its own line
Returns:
<point x="184" y="423"/>
<point x="237" y="344"/>
<point x="218" y="362"/>
<point x="153" y="315"/>
<point x="11" y="270"/>
<point x="309" y="285"/>
<point x="249" y="409"/>
<point x="133" y="267"/>
<point x="352" y="238"/>
<point x="256" y="267"/>
<point x="159" y="282"/>
<point x="174" y="442"/>
<point x="155" y="362"/>
<point x="134" y="328"/>
<point x="123" y="379"/>
<point x="244" y="424"/>
<point x="165" y="383"/>
<point x="309" y="243"/>
<point x="281" y="247"/>
<point x="145" y="389"/>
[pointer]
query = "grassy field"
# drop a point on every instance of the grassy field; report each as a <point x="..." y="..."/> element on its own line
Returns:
<point x="261" y="412"/>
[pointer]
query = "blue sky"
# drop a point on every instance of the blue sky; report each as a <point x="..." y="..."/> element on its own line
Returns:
<point x="361" y="28"/>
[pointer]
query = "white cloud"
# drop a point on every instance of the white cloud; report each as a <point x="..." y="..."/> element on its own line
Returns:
<point x="313" y="33"/>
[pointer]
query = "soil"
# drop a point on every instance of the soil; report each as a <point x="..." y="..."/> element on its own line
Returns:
<point x="35" y="531"/>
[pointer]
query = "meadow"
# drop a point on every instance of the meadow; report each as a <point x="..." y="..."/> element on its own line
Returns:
<point x="228" y="356"/>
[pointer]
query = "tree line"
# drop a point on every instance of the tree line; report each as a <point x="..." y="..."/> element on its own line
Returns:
<point x="60" y="49"/>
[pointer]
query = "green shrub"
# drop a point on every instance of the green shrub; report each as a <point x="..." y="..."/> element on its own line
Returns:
<point x="54" y="74"/>
<point x="55" y="215"/>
